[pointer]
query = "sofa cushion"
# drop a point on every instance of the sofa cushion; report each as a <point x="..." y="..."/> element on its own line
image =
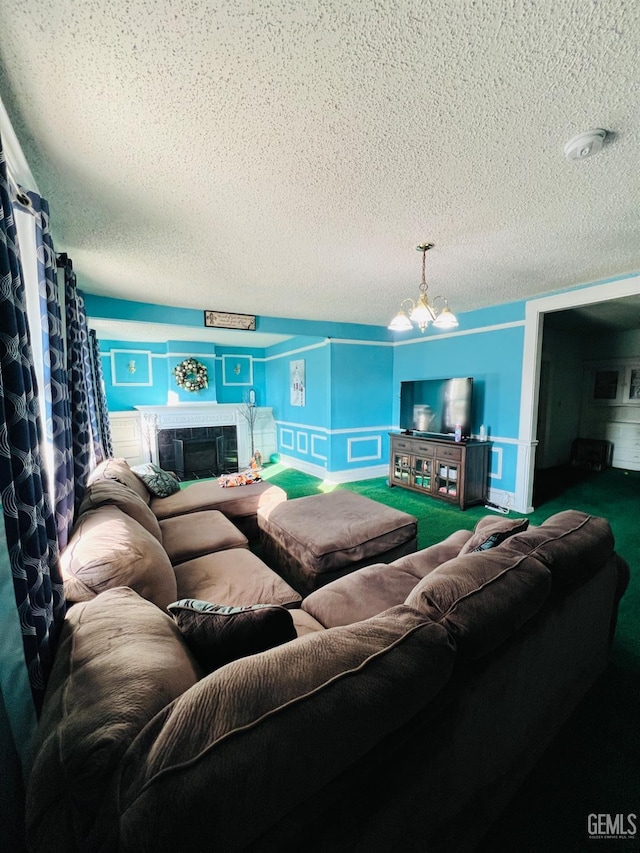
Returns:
<point x="109" y="549"/>
<point x="217" y="634"/>
<point x="359" y="595"/>
<point x="119" y="661"/>
<point x="491" y="531"/>
<point x="112" y="492"/>
<point x="483" y="597"/>
<point x="374" y="589"/>
<point x="276" y="727"/>
<point x="572" y="544"/>
<point x="421" y="562"/>
<point x="160" y="483"/>
<point x="237" y="577"/>
<point x="185" y="537"/>
<point x="119" y="469"/>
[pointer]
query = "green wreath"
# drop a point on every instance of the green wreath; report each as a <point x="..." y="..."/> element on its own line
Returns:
<point x="191" y="375"/>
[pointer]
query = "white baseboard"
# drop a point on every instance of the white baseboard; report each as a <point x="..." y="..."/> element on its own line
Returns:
<point x="350" y="475"/>
<point x="353" y="475"/>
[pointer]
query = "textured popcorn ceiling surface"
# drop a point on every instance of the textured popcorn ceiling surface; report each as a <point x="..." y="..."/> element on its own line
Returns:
<point x="285" y="158"/>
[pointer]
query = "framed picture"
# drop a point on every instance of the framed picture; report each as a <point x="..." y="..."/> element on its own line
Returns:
<point x="297" y="382"/>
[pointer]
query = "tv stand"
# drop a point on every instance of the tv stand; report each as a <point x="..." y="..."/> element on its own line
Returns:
<point x="454" y="472"/>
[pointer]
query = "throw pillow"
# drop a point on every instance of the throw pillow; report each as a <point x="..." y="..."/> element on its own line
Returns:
<point x="218" y="634"/>
<point x="160" y="483"/>
<point x="490" y="531"/>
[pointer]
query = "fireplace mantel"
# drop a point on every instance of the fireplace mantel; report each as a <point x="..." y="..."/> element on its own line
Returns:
<point x="154" y="418"/>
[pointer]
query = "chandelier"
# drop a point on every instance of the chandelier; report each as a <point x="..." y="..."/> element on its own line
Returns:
<point x="422" y="312"/>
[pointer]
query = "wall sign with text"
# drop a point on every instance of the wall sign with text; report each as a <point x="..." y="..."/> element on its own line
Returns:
<point x="225" y="320"/>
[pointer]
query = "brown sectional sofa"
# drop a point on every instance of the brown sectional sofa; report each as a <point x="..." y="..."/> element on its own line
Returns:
<point x="414" y="701"/>
<point x="118" y="540"/>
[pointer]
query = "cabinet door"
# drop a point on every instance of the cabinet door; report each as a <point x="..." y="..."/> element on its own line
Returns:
<point x="606" y="386"/>
<point x="614" y="385"/>
<point x="631" y="389"/>
<point x="401" y="467"/>
<point x="423" y="473"/>
<point x="447" y="478"/>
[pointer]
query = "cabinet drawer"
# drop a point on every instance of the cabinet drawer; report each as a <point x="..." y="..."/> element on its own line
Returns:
<point x="627" y="445"/>
<point x="626" y="456"/>
<point x="454" y="453"/>
<point x="621" y="431"/>
<point x="403" y="445"/>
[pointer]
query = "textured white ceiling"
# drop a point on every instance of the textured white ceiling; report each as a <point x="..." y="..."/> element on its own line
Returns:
<point x="285" y="158"/>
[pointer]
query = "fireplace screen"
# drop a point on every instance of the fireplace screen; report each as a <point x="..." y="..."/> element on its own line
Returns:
<point x="198" y="452"/>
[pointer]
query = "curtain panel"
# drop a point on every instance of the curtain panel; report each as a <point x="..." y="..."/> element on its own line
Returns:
<point x="29" y="527"/>
<point x="104" y="428"/>
<point x="88" y="448"/>
<point x="57" y="404"/>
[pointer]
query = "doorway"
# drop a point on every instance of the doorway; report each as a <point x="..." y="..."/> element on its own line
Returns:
<point x="619" y="302"/>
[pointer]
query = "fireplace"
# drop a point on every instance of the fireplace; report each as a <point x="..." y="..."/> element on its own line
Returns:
<point x="198" y="451"/>
<point x="161" y="425"/>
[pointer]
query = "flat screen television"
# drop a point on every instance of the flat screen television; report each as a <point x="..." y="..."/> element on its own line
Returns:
<point x="436" y="406"/>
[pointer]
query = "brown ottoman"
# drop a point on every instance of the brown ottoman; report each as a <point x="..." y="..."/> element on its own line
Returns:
<point x="314" y="540"/>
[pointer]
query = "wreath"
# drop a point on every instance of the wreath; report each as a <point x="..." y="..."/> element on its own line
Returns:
<point x="191" y="375"/>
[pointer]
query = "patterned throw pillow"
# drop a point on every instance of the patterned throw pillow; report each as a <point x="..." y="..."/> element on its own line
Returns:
<point x="217" y="633"/>
<point x="490" y="532"/>
<point x="160" y="483"/>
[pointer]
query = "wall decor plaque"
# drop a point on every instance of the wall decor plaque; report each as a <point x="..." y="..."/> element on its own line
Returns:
<point x="226" y="320"/>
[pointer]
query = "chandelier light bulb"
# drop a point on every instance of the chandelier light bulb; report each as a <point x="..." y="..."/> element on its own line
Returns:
<point x="400" y="323"/>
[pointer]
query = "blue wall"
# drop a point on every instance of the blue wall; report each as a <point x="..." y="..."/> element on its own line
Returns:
<point x="352" y="382"/>
<point x="488" y="346"/>
<point x="231" y="373"/>
<point x="302" y="430"/>
<point x="344" y="422"/>
<point x="361" y="404"/>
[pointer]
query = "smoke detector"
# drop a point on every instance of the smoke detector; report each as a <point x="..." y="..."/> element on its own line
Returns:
<point x="585" y="144"/>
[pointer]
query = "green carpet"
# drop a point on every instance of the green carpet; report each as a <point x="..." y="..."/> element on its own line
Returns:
<point x="593" y="766"/>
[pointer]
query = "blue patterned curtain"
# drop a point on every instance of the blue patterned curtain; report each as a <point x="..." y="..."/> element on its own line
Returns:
<point x="101" y="399"/>
<point x="29" y="526"/>
<point x="58" y="408"/>
<point x="88" y="446"/>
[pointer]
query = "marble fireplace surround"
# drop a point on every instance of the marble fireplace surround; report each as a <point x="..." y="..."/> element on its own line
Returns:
<point x="189" y="415"/>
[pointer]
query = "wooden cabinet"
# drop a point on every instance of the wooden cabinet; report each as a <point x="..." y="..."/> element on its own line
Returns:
<point x="625" y="438"/>
<point x="616" y="383"/>
<point x="452" y="472"/>
<point x="611" y="408"/>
